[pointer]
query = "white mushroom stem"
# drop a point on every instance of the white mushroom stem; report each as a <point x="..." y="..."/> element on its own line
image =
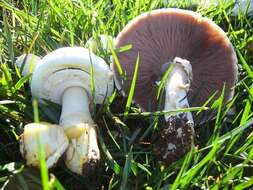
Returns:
<point x="83" y="152"/>
<point x="177" y="86"/>
<point x="75" y="110"/>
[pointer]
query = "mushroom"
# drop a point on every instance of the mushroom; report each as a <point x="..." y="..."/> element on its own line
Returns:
<point x="52" y="137"/>
<point x="65" y="77"/>
<point x="202" y="61"/>
<point x="27" y="63"/>
<point x="101" y="42"/>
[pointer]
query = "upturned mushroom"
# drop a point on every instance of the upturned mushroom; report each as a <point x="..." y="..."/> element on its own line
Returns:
<point x="203" y="61"/>
<point x="73" y="77"/>
<point x="51" y="137"/>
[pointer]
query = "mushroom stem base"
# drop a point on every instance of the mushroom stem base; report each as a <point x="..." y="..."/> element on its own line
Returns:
<point x="175" y="139"/>
<point x="83" y="154"/>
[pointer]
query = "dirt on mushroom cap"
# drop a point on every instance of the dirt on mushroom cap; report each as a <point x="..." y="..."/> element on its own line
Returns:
<point x="161" y="35"/>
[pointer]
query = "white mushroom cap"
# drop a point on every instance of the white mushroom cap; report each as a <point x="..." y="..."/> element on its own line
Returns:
<point x="27" y="63"/>
<point x="52" y="138"/>
<point x="70" y="66"/>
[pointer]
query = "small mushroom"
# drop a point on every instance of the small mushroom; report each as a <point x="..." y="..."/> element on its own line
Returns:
<point x="65" y="76"/>
<point x="101" y="42"/>
<point x="203" y="61"/>
<point x="27" y="63"/>
<point x="52" y="139"/>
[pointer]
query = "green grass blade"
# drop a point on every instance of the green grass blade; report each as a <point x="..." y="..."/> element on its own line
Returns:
<point x="115" y="58"/>
<point x="35" y="110"/>
<point x="110" y="160"/>
<point x="160" y="113"/>
<point x="55" y="184"/>
<point x="245" y="185"/>
<point x="191" y="173"/>
<point x="231" y="134"/>
<point x="183" y="169"/>
<point x="43" y="166"/>
<point x="8" y="34"/>
<point x="22" y="81"/>
<point x="245" y="64"/>
<point x="132" y="88"/>
<point x="163" y="81"/>
<point x="126" y="170"/>
<point x="219" y="113"/>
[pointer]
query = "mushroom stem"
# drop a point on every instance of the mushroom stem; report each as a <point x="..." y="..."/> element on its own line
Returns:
<point x="83" y="153"/>
<point x="177" y="86"/>
<point x="75" y="110"/>
<point x="176" y="138"/>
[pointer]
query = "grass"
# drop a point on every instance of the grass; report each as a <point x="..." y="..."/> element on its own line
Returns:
<point x="223" y="156"/>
